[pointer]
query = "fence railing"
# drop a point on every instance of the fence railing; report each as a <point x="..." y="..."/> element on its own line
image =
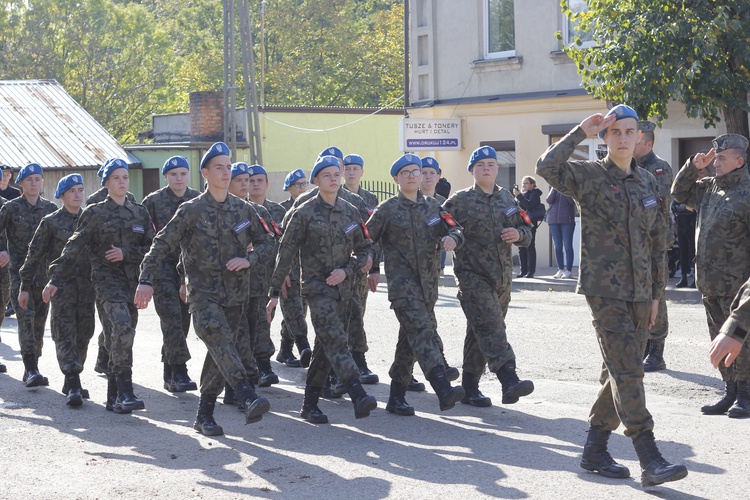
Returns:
<point x="382" y="189"/>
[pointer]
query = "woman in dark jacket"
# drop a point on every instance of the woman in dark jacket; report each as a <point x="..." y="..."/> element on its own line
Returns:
<point x="529" y="198"/>
<point x="561" y="217"/>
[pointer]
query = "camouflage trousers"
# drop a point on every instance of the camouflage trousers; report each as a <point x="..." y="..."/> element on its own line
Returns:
<point x="246" y="337"/>
<point x="622" y="331"/>
<point x="219" y="328"/>
<point x="660" y="330"/>
<point x="418" y="340"/>
<point x="4" y="291"/>
<point x="294" y="310"/>
<point x="263" y="346"/>
<point x="717" y="312"/>
<point x="355" y="323"/>
<point x="103" y="322"/>
<point x="72" y="325"/>
<point x="331" y="349"/>
<point x="174" y="318"/>
<point x="120" y="318"/>
<point x="31" y="320"/>
<point x="486" y="341"/>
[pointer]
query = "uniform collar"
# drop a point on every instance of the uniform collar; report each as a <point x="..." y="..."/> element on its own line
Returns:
<point x="733" y="178"/>
<point x="112" y="204"/>
<point x="322" y="202"/>
<point x="479" y="191"/>
<point x="650" y="156"/>
<point x="618" y="174"/>
<point x="405" y="200"/>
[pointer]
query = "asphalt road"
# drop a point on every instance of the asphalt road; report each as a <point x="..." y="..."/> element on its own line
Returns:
<point x="527" y="450"/>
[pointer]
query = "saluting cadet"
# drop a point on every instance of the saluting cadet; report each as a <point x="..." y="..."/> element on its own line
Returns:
<point x="213" y="232"/>
<point x="330" y="238"/>
<point x="19" y="219"/>
<point x="116" y="233"/>
<point x="72" y="314"/>
<point x="622" y="275"/>
<point x="174" y="316"/>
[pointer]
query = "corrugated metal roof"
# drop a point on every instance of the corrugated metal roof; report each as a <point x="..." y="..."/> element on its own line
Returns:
<point x="41" y="123"/>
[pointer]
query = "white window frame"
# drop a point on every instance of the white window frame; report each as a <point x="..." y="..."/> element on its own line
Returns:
<point x="486" y="33"/>
<point x="568" y="36"/>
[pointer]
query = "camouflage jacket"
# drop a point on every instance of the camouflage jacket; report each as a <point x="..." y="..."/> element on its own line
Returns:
<point x="100" y="227"/>
<point x="371" y="201"/>
<point x="722" y="249"/>
<point x="19" y="220"/>
<point x="209" y="234"/>
<point x="260" y="274"/>
<point x="410" y="235"/>
<point x="50" y="237"/>
<point x="101" y="195"/>
<point x="738" y="323"/>
<point x="3" y="240"/>
<point x="623" y="235"/>
<point x="325" y="237"/>
<point x="485" y="260"/>
<point x="662" y="172"/>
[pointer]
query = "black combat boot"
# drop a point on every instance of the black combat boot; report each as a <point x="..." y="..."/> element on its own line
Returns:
<point x="84" y="392"/>
<point x="415" y="386"/>
<point x="31" y="376"/>
<point x="204" y="421"/>
<point x="266" y="375"/>
<point x="333" y="388"/>
<point x="365" y="375"/>
<point x="230" y="398"/>
<point x="741" y="407"/>
<point x="102" y="361"/>
<point x="513" y="388"/>
<point x="655" y="470"/>
<point x="111" y="392"/>
<point x="310" y="410"/>
<point x="655" y="359"/>
<point x="447" y="396"/>
<point x="126" y="400"/>
<point x="74" y="399"/>
<point x="167" y="377"/>
<point x="397" y="401"/>
<point x="305" y="353"/>
<point x="286" y="356"/>
<point x="3" y="368"/>
<point x="451" y="373"/>
<point x="596" y="458"/>
<point x="363" y="403"/>
<point x="180" y="380"/>
<point x="726" y="402"/>
<point x="255" y="406"/>
<point x="474" y="397"/>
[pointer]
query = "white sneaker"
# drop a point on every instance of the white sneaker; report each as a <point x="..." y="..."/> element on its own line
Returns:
<point x="559" y="274"/>
<point x="567" y="274"/>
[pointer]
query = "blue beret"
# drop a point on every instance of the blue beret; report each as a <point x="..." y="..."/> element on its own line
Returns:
<point x="257" y="170"/>
<point x="332" y="151"/>
<point x="430" y="162"/>
<point x="6" y="167"/>
<point x="324" y="162"/>
<point x="620" y="111"/>
<point x="354" y="160"/>
<point x="30" y="169"/>
<point x="111" y="166"/>
<point x="240" y="168"/>
<point x="481" y="154"/>
<point x="175" y="162"/>
<point x="217" y="149"/>
<point x="66" y="183"/>
<point x="293" y="177"/>
<point x="407" y="159"/>
<point x="104" y="166"/>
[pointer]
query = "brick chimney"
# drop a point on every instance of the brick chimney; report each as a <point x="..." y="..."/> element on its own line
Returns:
<point x="207" y="116"/>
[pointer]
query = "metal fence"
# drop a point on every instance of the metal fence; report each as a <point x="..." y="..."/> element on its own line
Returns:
<point x="383" y="190"/>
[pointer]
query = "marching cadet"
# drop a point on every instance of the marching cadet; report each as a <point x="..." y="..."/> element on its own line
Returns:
<point x="722" y="252"/>
<point x="622" y="275"/>
<point x="213" y="232"/>
<point x="19" y="219"/>
<point x="72" y="314"/>
<point x="174" y="316"/>
<point x="412" y="229"/>
<point x="336" y="246"/>
<point x="430" y="176"/>
<point x="662" y="172"/>
<point x="116" y="233"/>
<point x="492" y="222"/>
<point x="294" y="306"/>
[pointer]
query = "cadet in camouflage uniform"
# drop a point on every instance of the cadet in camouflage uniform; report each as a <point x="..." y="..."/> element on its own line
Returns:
<point x="19" y="219"/>
<point x="213" y="232"/>
<point x="4" y="282"/>
<point x="116" y="234"/>
<point x="412" y="229"/>
<point x="662" y="172"/>
<point x="336" y="247"/>
<point x="173" y="312"/>
<point x="72" y="315"/>
<point x="722" y="252"/>
<point x="492" y="222"/>
<point x="622" y="275"/>
<point x="293" y="306"/>
<point x="102" y="358"/>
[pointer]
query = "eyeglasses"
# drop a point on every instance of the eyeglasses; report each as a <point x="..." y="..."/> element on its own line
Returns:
<point x="409" y="173"/>
<point x="300" y="185"/>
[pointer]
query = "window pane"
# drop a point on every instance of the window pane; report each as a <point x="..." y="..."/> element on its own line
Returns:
<point x="573" y="31"/>
<point x="501" y="26"/>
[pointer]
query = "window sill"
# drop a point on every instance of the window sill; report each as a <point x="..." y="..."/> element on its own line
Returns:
<point x="560" y="57"/>
<point x="499" y="64"/>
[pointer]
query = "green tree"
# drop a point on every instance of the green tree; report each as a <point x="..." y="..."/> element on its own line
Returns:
<point x="649" y="52"/>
